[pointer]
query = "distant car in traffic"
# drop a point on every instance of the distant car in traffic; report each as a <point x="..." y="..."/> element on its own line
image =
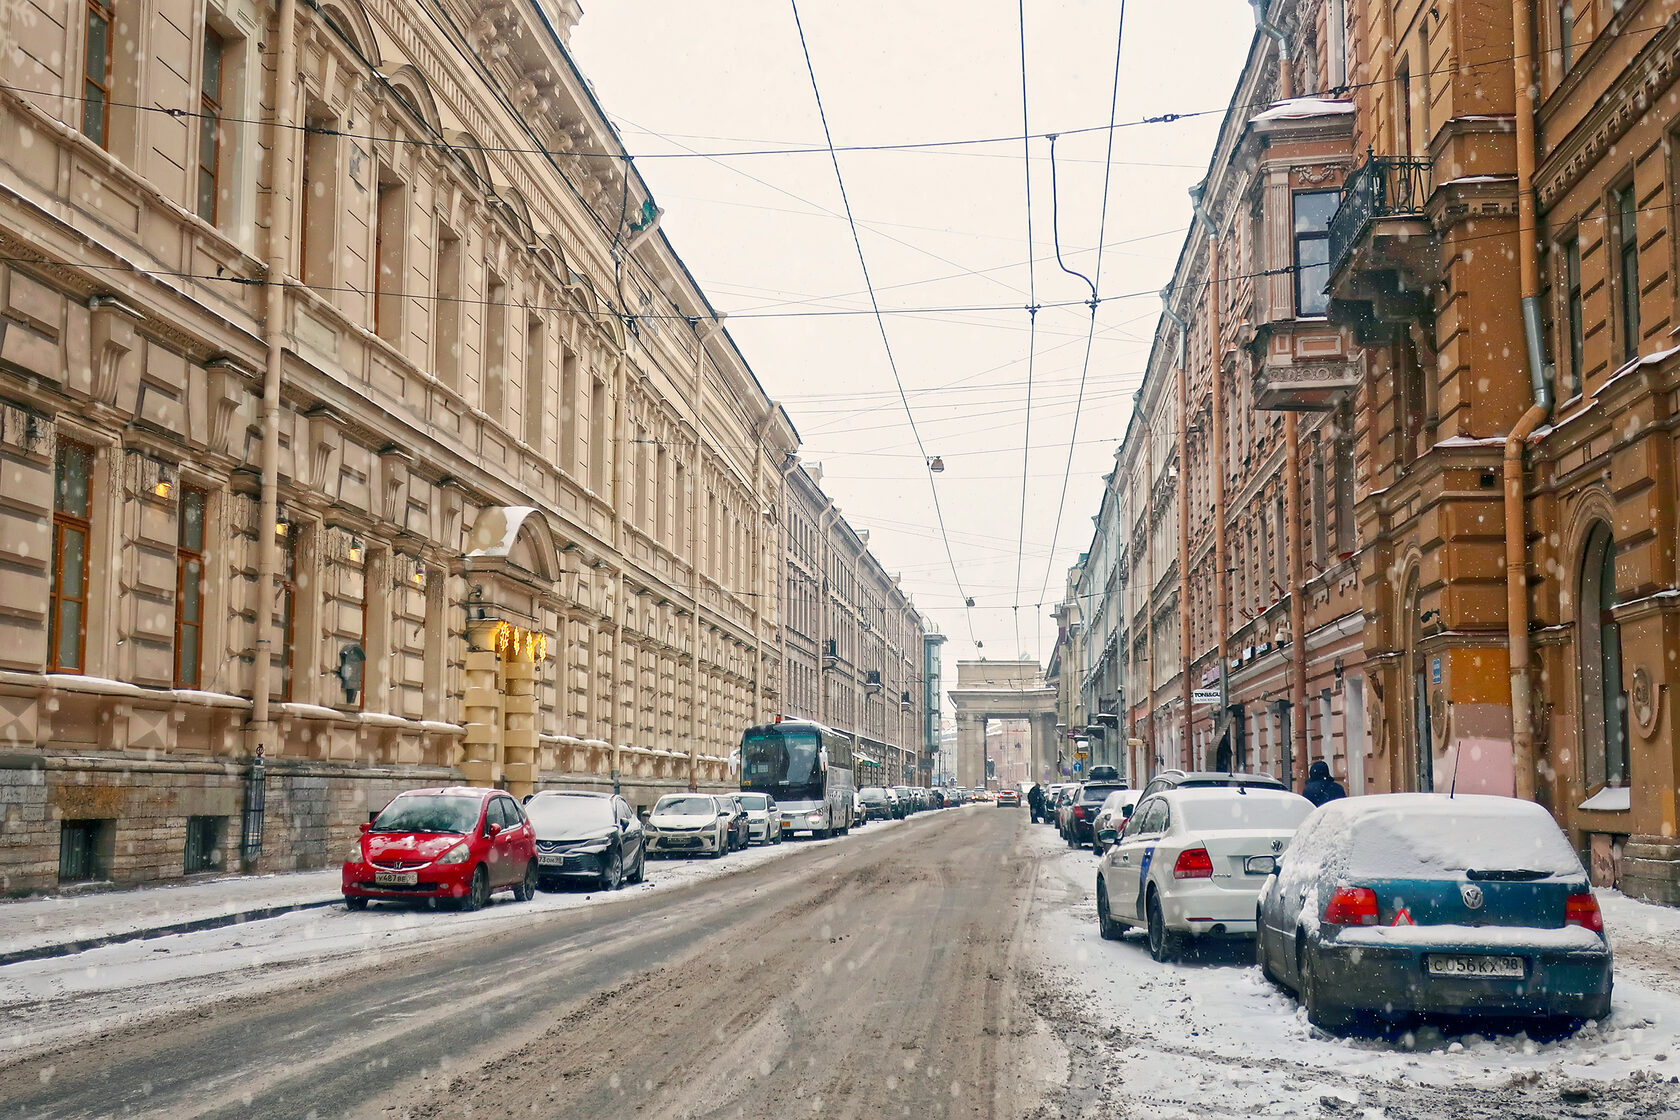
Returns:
<point x="764" y="824"/>
<point x="457" y="844"/>
<point x="1009" y="798"/>
<point x="1080" y="812"/>
<point x="877" y="803"/>
<point x="688" y="823"/>
<point x="593" y="836"/>
<point x="740" y="828"/>
<point x="1192" y="862"/>
<point x="1393" y="906"/>
<point x="1115" y="811"/>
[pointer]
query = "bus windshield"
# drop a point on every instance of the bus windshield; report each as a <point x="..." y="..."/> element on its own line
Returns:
<point x="781" y="760"/>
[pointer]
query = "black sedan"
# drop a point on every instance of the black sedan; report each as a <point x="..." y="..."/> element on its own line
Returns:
<point x="877" y="806"/>
<point x="588" y="836"/>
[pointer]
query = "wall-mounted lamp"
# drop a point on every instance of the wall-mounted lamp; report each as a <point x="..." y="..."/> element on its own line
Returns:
<point x="936" y="464"/>
<point x="350" y="661"/>
<point x="282" y="528"/>
<point x="355" y="550"/>
<point x="1429" y="618"/>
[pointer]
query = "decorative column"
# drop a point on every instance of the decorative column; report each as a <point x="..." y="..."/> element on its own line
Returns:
<point x="520" y="653"/>
<point x="481" y="765"/>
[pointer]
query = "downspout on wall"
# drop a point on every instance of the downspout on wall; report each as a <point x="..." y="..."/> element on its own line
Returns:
<point x="1262" y="24"/>
<point x="1186" y="648"/>
<point x="283" y="143"/>
<point x="1516" y="506"/>
<point x="1216" y="373"/>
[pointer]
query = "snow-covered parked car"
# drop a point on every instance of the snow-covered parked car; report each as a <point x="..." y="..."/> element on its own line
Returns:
<point x="689" y="823"/>
<point x="458" y="844"/>
<point x="764" y="824"/>
<point x="1192" y="862"/>
<point x="1415" y="903"/>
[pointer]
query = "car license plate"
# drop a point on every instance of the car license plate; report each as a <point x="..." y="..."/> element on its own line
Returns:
<point x="396" y="878"/>
<point x="550" y="859"/>
<point x="1494" y="967"/>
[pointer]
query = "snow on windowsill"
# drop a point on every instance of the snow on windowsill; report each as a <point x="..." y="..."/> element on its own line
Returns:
<point x="1610" y="799"/>
<point x="1472" y="180"/>
<point x="1471" y="441"/>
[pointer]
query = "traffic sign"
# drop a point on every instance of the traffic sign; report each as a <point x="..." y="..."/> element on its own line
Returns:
<point x="1205" y="696"/>
<point x="1081" y="754"/>
<point x="1078" y="767"/>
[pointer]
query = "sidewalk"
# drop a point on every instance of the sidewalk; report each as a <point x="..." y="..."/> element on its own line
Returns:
<point x="33" y="928"/>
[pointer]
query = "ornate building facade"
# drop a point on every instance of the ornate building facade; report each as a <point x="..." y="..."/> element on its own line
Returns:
<point x="359" y="430"/>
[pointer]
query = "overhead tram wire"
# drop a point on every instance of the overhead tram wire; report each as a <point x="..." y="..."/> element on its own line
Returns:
<point x="880" y="321"/>
<point x="1090" y="337"/>
<point x="1032" y="319"/>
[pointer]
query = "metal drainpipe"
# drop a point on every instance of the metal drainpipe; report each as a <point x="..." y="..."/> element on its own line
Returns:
<point x="1516" y="511"/>
<point x="1216" y="368"/>
<point x="1286" y="80"/>
<point x="702" y="336"/>
<point x="284" y="144"/>
<point x="1186" y="753"/>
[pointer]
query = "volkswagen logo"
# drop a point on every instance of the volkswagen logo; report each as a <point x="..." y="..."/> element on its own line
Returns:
<point x="1472" y="895"/>
<point x="1277" y="845"/>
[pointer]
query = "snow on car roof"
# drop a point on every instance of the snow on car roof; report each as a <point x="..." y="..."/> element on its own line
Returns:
<point x="1403" y="835"/>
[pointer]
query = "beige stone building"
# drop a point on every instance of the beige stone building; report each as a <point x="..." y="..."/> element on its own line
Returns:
<point x="853" y="640"/>
<point x="359" y="430"/>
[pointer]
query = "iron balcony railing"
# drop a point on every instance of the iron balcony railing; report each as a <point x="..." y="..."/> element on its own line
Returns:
<point x="1383" y="187"/>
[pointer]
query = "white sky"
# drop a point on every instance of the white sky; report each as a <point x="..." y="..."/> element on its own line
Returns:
<point x="941" y="228"/>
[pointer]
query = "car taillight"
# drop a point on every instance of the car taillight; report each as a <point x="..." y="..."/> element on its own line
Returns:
<point x="1193" y="863"/>
<point x="1079" y="812"/>
<point x="1582" y="910"/>
<point x="1352" y="906"/>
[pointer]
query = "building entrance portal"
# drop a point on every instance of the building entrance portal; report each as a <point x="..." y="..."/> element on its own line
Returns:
<point x="988" y="690"/>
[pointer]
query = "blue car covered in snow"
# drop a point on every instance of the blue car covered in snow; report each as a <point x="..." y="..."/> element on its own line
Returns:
<point x="1390" y="907"/>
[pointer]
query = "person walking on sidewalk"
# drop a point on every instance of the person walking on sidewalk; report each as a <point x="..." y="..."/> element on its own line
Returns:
<point x="1035" y="802"/>
<point x="1321" y="787"/>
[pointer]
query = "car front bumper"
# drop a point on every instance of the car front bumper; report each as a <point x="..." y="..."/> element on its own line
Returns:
<point x="448" y="881"/>
<point x="1396" y="979"/>
<point x="676" y="842"/>
<point x="576" y="865"/>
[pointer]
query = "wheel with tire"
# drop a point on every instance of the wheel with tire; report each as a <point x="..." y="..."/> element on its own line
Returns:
<point x="478" y="890"/>
<point x="1320" y="1013"/>
<point x="640" y="874"/>
<point x="612" y="872"/>
<point x="721" y="847"/>
<point x="1164" y="944"/>
<point x="1261" y="956"/>
<point x="526" y="890"/>
<point x="351" y="902"/>
<point x="1110" y="929"/>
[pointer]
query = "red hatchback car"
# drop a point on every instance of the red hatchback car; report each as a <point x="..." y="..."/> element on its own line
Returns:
<point x="458" y="844"/>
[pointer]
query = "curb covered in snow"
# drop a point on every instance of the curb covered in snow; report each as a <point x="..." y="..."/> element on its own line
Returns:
<point x="82" y="945"/>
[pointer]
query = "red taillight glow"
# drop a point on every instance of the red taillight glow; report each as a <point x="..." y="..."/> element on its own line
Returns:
<point x="1352" y="906"/>
<point x="1079" y="812"/>
<point x="1193" y="863"/>
<point x="1582" y="910"/>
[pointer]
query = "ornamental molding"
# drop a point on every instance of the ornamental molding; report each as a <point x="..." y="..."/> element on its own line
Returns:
<point x="1639" y="86"/>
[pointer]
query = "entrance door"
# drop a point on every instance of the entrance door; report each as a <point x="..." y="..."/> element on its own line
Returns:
<point x="1423" y="750"/>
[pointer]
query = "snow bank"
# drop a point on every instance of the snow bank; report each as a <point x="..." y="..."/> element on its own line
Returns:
<point x="1610" y="799"/>
<point x="1296" y="108"/>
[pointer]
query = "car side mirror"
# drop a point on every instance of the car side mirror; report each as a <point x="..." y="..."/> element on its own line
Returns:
<point x="367" y="826"/>
<point x="1107" y="836"/>
<point x="492" y="829"/>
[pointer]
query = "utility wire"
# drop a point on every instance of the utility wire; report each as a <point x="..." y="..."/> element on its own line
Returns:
<point x="1090" y="337"/>
<point x="1032" y="320"/>
<point x="880" y="321"/>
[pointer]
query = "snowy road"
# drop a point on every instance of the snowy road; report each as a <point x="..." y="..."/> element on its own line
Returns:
<point x="1210" y="1038"/>
<point x="946" y="966"/>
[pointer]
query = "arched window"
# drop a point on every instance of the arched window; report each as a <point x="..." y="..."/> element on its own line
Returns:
<point x="1604" y="739"/>
<point x="1420" y="734"/>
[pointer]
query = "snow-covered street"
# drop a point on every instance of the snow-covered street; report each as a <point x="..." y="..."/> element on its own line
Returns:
<point x="1210" y="1037"/>
<point x="51" y="1001"/>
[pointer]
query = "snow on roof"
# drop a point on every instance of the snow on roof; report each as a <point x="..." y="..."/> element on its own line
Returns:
<point x="1466" y="180"/>
<point x="1471" y="441"/>
<point x="1300" y="107"/>
<point x="512" y="518"/>
<point x="1432" y="834"/>
<point x="1610" y="799"/>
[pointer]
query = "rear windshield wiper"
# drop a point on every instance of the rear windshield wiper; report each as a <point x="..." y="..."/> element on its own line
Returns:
<point x="1514" y="875"/>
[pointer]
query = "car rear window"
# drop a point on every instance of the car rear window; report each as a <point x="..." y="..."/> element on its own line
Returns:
<point x="1097" y="794"/>
<point x="1234" y="810"/>
<point x="1458" y="836"/>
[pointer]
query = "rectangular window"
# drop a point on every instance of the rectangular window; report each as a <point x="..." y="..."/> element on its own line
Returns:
<point x="72" y="514"/>
<point x="1572" y="310"/>
<point x="317" y="237"/>
<point x="661" y="495"/>
<point x="568" y="410"/>
<point x="204" y="844"/>
<point x="96" y="72"/>
<point x="286" y="624"/>
<point x="84" y="850"/>
<point x="1281" y="539"/>
<point x="1403" y="95"/>
<point x="210" y="126"/>
<point x="495" y="348"/>
<point x="390" y="239"/>
<point x="1344" y="484"/>
<point x="1566" y="36"/>
<point x="1313" y="210"/>
<point x="598" y="435"/>
<point x="189" y="588"/>
<point x="679" y="512"/>
<point x="446" y="359"/>
<point x="1320" y="507"/>
<point x="1627" y="260"/>
<point x="536" y="380"/>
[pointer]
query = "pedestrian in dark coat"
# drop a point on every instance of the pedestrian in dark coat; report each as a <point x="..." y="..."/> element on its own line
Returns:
<point x="1035" y="803"/>
<point x="1321" y="787"/>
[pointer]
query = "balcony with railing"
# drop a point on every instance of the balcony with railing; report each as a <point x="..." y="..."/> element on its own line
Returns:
<point x="1383" y="251"/>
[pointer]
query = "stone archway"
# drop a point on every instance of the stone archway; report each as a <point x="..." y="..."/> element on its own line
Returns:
<point x="988" y="690"/>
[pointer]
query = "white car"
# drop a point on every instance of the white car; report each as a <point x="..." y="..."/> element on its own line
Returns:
<point x="764" y="824"/>
<point x="1116" y="810"/>
<point x="688" y="823"/>
<point x="1192" y="862"/>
